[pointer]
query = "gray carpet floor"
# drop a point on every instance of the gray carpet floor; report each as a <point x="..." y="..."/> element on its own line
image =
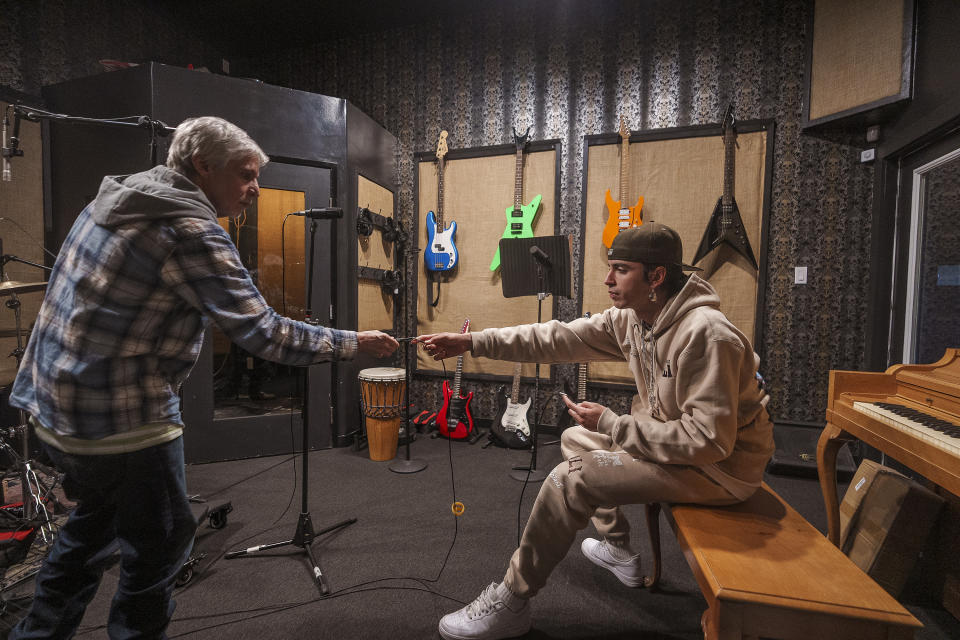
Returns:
<point x="407" y="560"/>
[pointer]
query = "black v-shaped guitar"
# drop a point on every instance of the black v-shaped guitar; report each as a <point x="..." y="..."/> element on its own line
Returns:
<point x="726" y="225"/>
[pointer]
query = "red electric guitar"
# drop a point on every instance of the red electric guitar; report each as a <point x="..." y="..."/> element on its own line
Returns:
<point x="454" y="419"/>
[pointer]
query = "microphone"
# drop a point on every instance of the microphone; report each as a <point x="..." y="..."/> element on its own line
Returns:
<point x="326" y="213"/>
<point x="540" y="255"/>
<point x="7" y="176"/>
<point x="12" y="150"/>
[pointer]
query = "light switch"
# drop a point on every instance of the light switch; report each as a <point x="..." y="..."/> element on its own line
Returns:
<point x="800" y="275"/>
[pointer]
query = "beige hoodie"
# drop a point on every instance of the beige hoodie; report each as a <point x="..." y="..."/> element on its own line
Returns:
<point x="699" y="402"/>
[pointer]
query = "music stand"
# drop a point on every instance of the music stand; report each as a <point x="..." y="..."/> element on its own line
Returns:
<point x="535" y="266"/>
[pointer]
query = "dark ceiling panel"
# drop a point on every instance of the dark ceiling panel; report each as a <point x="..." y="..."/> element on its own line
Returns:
<point x="240" y="28"/>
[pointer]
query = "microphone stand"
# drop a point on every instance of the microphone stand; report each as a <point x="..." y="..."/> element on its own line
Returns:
<point x="305" y="535"/>
<point x="531" y="473"/>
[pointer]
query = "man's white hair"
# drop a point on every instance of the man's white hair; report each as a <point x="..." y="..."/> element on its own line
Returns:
<point x="212" y="140"/>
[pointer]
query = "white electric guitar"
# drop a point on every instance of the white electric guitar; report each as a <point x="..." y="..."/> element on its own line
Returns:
<point x="511" y="426"/>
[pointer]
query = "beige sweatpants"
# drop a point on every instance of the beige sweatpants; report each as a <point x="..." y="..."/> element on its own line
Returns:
<point x="595" y="477"/>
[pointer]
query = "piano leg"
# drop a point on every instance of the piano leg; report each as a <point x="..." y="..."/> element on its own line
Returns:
<point x="831" y="439"/>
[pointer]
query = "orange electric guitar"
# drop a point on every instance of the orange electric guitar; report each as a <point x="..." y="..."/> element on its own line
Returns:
<point x="620" y="215"/>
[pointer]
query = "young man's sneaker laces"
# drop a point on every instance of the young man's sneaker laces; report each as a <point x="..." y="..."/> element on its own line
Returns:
<point x="495" y="614"/>
<point x="616" y="561"/>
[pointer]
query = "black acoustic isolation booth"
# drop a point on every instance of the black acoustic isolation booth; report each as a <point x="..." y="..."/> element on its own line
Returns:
<point x="235" y="405"/>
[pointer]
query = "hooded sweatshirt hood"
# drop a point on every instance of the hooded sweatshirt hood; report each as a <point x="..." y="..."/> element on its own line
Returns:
<point x="155" y="194"/>
<point x="697" y="292"/>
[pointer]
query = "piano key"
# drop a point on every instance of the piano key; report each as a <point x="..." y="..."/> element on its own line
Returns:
<point x="908" y="419"/>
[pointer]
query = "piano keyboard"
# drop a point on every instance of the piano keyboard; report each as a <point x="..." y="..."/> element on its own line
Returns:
<point x="940" y="433"/>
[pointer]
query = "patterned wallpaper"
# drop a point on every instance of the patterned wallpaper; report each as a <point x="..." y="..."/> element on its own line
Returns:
<point x="49" y="41"/>
<point x="568" y="68"/>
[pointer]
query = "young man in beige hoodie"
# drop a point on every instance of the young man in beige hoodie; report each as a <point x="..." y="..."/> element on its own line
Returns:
<point x="697" y="430"/>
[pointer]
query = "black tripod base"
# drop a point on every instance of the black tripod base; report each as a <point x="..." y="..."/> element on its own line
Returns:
<point x="303" y="538"/>
<point x="407" y="466"/>
<point x="524" y="474"/>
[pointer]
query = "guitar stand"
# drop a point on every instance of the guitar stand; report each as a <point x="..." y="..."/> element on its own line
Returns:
<point x="531" y="473"/>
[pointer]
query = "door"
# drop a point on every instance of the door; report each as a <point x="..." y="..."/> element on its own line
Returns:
<point x="236" y="405"/>
<point x="929" y="262"/>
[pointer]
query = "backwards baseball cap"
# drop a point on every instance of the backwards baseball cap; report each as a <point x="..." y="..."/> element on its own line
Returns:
<point x="650" y="243"/>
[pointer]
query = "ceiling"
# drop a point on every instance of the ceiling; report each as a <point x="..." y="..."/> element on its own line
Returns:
<point x="244" y="28"/>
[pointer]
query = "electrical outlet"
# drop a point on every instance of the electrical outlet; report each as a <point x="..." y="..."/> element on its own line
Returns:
<point x="800" y="275"/>
<point x="867" y="155"/>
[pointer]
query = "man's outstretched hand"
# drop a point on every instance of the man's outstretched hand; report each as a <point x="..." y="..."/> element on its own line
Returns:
<point x="376" y="343"/>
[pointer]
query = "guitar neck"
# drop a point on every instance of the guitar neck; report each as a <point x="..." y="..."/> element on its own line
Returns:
<point x="456" y="377"/>
<point x="518" y="180"/>
<point x="729" y="165"/>
<point x="440" y="195"/>
<point x="624" y="169"/>
<point x="515" y="392"/>
<point x="582" y="383"/>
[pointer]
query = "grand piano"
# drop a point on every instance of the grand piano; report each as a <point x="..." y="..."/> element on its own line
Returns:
<point x="909" y="412"/>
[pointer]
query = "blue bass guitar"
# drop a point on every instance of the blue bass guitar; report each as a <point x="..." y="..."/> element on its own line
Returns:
<point x="441" y="252"/>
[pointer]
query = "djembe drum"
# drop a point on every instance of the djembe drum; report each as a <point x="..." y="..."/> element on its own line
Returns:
<point x="382" y="390"/>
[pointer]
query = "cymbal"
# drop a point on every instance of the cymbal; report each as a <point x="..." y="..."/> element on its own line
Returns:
<point x="11" y="287"/>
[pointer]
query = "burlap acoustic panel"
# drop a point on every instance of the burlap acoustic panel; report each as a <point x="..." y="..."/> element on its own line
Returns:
<point x="374" y="304"/>
<point x="281" y="274"/>
<point x="857" y="54"/>
<point x="477" y="192"/>
<point x="680" y="180"/>
<point x="280" y="270"/>
<point x="21" y="229"/>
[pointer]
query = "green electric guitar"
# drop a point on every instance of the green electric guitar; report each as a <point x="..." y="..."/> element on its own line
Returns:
<point x="520" y="217"/>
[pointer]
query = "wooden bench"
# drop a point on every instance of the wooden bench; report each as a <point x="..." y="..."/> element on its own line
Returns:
<point x="768" y="573"/>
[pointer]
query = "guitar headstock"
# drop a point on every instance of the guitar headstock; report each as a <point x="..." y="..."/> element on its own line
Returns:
<point x="442" y="145"/>
<point x="521" y="140"/>
<point x="728" y="123"/>
<point x="624" y="129"/>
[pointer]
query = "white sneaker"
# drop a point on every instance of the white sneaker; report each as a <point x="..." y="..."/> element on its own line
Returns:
<point x="617" y="561"/>
<point x="495" y="614"/>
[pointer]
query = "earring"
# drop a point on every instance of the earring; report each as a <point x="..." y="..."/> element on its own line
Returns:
<point x="652" y="295"/>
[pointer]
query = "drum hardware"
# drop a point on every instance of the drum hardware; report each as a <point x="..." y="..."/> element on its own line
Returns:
<point x="35" y="493"/>
<point x="304" y="535"/>
<point x="10" y="287"/>
<point x="13" y="432"/>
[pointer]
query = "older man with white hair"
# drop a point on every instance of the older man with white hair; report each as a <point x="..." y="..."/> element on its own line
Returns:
<point x="142" y="272"/>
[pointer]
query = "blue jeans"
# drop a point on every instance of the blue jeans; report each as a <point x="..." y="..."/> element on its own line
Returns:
<point x="138" y="499"/>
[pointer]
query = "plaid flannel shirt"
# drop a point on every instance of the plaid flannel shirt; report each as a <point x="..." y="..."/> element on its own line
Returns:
<point x="124" y="315"/>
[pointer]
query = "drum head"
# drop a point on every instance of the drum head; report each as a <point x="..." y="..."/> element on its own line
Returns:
<point x="382" y="374"/>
